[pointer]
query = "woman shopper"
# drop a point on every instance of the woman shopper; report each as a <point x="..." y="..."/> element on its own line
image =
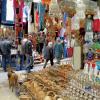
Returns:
<point x="58" y="50"/>
<point x="49" y="54"/>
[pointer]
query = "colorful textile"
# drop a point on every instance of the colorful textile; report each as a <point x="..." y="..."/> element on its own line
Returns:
<point x="89" y="25"/>
<point x="89" y="36"/>
<point x="37" y="17"/>
<point x="41" y="9"/>
<point x="70" y="52"/>
<point x="96" y="25"/>
<point x="98" y="65"/>
<point x="46" y="2"/>
<point x="75" y="23"/>
<point x="65" y="18"/>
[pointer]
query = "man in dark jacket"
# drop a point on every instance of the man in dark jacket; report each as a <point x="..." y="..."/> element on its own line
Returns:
<point x="49" y="54"/>
<point x="5" y="48"/>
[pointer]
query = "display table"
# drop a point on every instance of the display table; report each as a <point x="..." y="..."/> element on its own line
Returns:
<point x="62" y="82"/>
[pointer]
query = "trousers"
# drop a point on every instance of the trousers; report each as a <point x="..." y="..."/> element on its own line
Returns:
<point x="51" y="61"/>
<point x="6" y="59"/>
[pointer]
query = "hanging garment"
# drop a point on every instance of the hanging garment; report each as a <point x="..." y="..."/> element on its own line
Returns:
<point x="37" y="17"/>
<point x="65" y="18"/>
<point x="32" y="12"/>
<point x="80" y="13"/>
<point x="47" y="2"/>
<point x="96" y="25"/>
<point x="41" y="9"/>
<point x="73" y="41"/>
<point x="82" y="31"/>
<point x="82" y="23"/>
<point x="25" y="13"/>
<point x="62" y="32"/>
<point x="70" y="52"/>
<point x="75" y="23"/>
<point x="89" y="25"/>
<point x="89" y="36"/>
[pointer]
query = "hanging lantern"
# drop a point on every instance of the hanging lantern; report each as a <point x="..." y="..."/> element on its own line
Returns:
<point x="54" y="10"/>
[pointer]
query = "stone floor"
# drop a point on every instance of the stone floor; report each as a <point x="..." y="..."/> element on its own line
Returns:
<point x="5" y="92"/>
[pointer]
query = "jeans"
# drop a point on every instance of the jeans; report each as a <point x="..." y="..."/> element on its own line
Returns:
<point x="6" y="59"/>
<point x="29" y="63"/>
<point x="21" y="61"/>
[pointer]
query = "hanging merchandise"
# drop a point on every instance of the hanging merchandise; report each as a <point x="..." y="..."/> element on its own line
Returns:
<point x="89" y="24"/>
<point x="18" y="11"/>
<point x="37" y="17"/>
<point x="41" y="10"/>
<point x="96" y="21"/>
<point x="68" y="25"/>
<point x="81" y="14"/>
<point x="37" y="1"/>
<point x="32" y="12"/>
<point x="47" y="2"/>
<point x="82" y="23"/>
<point x="25" y="12"/>
<point x="54" y="9"/>
<point x="80" y="9"/>
<point x="96" y="25"/>
<point x="9" y="10"/>
<point x="65" y="18"/>
<point x="62" y="33"/>
<point x="0" y="10"/>
<point x="90" y="5"/>
<point x="75" y="23"/>
<point x="89" y="36"/>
